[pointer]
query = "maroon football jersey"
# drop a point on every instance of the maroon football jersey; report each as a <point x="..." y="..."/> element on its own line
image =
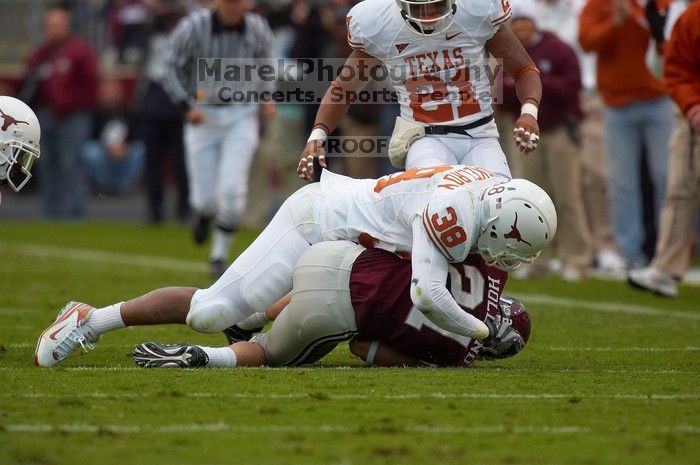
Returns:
<point x="380" y="285"/>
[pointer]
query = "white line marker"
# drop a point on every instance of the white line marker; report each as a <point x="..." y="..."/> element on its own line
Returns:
<point x="97" y="257"/>
<point x="621" y="349"/>
<point x="412" y="396"/>
<point x="683" y="428"/>
<point x="31" y="345"/>
<point x="42" y="428"/>
<point x="616" y="308"/>
<point x="18" y="311"/>
<point x="481" y="368"/>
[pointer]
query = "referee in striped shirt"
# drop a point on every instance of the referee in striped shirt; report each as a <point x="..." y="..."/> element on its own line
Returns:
<point x="220" y="140"/>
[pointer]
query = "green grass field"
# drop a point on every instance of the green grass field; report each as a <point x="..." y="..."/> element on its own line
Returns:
<point x="611" y="376"/>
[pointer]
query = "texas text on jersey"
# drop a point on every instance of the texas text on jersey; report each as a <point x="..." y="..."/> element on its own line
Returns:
<point x="379" y="287"/>
<point x="441" y="78"/>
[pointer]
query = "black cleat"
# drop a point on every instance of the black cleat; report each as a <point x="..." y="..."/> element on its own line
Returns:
<point x="200" y="230"/>
<point x="217" y="268"/>
<point x="237" y="334"/>
<point x="155" y="355"/>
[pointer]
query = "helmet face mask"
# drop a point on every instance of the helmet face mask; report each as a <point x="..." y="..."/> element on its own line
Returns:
<point x="518" y="220"/>
<point x="428" y="16"/>
<point x="16" y="161"/>
<point x="19" y="142"/>
<point x="512" y="313"/>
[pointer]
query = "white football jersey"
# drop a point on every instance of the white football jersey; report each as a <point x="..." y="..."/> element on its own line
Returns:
<point x="381" y="212"/>
<point x="443" y="78"/>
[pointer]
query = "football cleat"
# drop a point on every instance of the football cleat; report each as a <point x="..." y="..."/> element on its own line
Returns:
<point x="66" y="334"/>
<point x="654" y="280"/>
<point x="155" y="355"/>
<point x="237" y="334"/>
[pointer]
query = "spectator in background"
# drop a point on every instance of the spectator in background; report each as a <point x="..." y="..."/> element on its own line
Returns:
<point x="113" y="158"/>
<point x="61" y="83"/>
<point x="673" y="247"/>
<point x="128" y="29"/>
<point x="638" y="115"/>
<point x="160" y="121"/>
<point x="561" y="17"/>
<point x="556" y="165"/>
<point x="362" y="120"/>
<point x="310" y="40"/>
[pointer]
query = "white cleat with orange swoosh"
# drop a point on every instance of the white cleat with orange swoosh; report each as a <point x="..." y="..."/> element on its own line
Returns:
<point x="66" y="334"/>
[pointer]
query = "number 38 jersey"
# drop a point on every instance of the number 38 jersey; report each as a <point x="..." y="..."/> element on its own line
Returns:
<point x="383" y="212"/>
<point x="379" y="289"/>
<point x="442" y="78"/>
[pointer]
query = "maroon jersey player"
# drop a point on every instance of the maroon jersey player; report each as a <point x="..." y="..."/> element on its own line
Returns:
<point x="343" y="291"/>
<point x="393" y="331"/>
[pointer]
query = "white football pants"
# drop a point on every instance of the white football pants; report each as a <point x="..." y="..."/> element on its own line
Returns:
<point x="218" y="158"/>
<point x="484" y="152"/>
<point x="263" y="273"/>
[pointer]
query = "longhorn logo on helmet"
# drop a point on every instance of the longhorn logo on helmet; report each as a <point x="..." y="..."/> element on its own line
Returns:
<point x="515" y="232"/>
<point x="10" y="120"/>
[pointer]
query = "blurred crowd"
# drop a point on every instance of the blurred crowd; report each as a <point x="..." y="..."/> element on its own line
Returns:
<point x="606" y="116"/>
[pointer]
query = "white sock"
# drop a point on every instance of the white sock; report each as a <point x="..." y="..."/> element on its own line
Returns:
<point x="106" y="319"/>
<point x="255" y="321"/>
<point x="220" y="357"/>
<point x="221" y="244"/>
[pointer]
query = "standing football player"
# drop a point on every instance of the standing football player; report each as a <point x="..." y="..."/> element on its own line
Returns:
<point x="20" y="136"/>
<point x="436" y="53"/>
<point x="220" y="141"/>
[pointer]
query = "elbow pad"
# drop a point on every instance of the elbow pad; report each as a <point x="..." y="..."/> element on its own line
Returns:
<point x="421" y="297"/>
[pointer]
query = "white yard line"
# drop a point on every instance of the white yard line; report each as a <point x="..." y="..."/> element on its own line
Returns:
<point x="613" y="371"/>
<point x="616" y="308"/>
<point x="44" y="428"/>
<point x="18" y="311"/>
<point x="31" y="345"/>
<point x="621" y="349"/>
<point x="101" y="257"/>
<point x="400" y="397"/>
<point x="174" y="264"/>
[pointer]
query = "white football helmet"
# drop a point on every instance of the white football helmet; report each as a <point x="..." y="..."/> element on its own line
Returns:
<point x="518" y="220"/>
<point x="428" y="16"/>
<point x="19" y="142"/>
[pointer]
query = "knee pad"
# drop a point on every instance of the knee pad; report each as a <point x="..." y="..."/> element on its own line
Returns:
<point x="230" y="204"/>
<point x="210" y="315"/>
<point x="201" y="205"/>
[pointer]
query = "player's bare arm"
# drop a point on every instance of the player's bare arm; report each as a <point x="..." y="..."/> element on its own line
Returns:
<point x="528" y="86"/>
<point x="275" y="309"/>
<point x="331" y="111"/>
